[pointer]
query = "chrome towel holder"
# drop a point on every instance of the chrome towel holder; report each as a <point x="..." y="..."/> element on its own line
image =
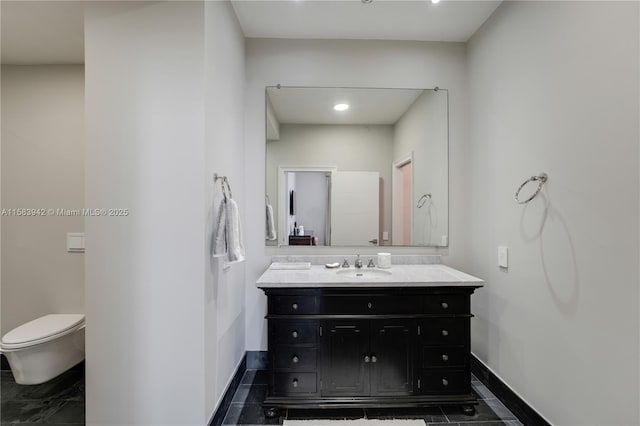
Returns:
<point x="541" y="179"/>
<point x="224" y="181"/>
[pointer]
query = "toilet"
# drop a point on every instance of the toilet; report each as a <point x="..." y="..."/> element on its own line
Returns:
<point x="42" y="349"/>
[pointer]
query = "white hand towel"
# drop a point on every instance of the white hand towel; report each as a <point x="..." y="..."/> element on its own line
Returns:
<point x="271" y="227"/>
<point x="235" y="247"/>
<point x="219" y="239"/>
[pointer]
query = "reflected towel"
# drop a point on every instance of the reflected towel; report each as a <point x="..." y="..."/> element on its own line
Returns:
<point x="271" y="226"/>
<point x="235" y="247"/>
<point x="219" y="240"/>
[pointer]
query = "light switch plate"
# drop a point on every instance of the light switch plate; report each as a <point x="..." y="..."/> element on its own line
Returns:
<point x="385" y="236"/>
<point x="75" y="242"/>
<point x="503" y="256"/>
<point x="444" y="241"/>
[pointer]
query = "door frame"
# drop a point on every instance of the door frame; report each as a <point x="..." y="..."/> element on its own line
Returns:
<point x="395" y="197"/>
<point x="283" y="194"/>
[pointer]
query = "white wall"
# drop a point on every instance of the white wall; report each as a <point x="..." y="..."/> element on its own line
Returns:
<point x="348" y="147"/>
<point x="224" y="154"/>
<point x="334" y="63"/>
<point x="42" y="167"/>
<point x="423" y="131"/>
<point x="554" y="88"/>
<point x="165" y="324"/>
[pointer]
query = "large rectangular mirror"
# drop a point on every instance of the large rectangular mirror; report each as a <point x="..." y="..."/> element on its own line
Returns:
<point x="357" y="167"/>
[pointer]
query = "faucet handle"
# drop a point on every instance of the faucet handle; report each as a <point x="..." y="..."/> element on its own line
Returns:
<point x="345" y="264"/>
<point x="371" y="264"/>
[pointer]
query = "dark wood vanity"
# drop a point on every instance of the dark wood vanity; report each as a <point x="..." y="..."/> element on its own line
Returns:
<point x="355" y="346"/>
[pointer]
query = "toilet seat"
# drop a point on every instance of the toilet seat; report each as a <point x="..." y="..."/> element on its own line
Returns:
<point x="41" y="330"/>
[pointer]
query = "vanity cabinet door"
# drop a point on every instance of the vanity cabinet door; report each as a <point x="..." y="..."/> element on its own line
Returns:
<point x="345" y="358"/>
<point x="392" y="357"/>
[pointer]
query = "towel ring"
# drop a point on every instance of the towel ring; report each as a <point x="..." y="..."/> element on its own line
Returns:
<point x="541" y="179"/>
<point x="423" y="200"/>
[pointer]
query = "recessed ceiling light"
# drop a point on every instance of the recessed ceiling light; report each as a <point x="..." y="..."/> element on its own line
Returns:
<point x="341" y="107"/>
<point x="366" y="1"/>
<point x="435" y="1"/>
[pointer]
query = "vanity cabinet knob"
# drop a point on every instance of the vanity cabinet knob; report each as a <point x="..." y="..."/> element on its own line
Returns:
<point x="295" y="383"/>
<point x="445" y="382"/>
<point x="445" y="357"/>
<point x="369" y="305"/>
<point x="294" y="306"/>
<point x="374" y="359"/>
<point x="294" y="334"/>
<point x="295" y="359"/>
<point x="444" y="305"/>
<point x="367" y="359"/>
<point x="445" y="333"/>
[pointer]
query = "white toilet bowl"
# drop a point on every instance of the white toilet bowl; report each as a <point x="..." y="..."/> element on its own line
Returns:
<point x="43" y="348"/>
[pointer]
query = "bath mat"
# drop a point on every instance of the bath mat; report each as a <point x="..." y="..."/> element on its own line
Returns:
<point x="359" y="422"/>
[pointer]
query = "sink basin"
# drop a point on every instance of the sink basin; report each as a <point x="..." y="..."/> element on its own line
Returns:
<point x="363" y="273"/>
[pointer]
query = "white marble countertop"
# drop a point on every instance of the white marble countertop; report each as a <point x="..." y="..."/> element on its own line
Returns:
<point x="435" y="275"/>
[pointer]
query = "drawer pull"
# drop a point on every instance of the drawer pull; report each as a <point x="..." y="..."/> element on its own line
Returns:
<point x="374" y="359"/>
<point x="445" y="382"/>
<point x="294" y="334"/>
<point x="367" y="359"/>
<point x="295" y="359"/>
<point x="444" y="305"/>
<point x="369" y="305"/>
<point x="294" y="306"/>
<point x="445" y="357"/>
<point x="445" y="333"/>
<point x="295" y="383"/>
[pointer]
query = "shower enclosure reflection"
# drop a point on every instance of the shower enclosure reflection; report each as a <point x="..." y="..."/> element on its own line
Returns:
<point x="359" y="176"/>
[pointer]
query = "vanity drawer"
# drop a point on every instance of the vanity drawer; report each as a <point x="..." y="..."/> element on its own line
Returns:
<point x="445" y="331"/>
<point x="293" y="332"/>
<point x="445" y="382"/>
<point x="294" y="383"/>
<point x="447" y="304"/>
<point x="295" y="358"/>
<point x="443" y="356"/>
<point x="292" y="305"/>
<point x="369" y="305"/>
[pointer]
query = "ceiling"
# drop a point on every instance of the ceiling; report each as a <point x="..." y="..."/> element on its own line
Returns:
<point x="307" y="105"/>
<point x="52" y="32"/>
<point x="351" y="19"/>
<point x="42" y="32"/>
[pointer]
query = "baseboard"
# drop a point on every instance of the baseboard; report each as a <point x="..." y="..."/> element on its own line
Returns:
<point x="257" y="360"/>
<point x="509" y="398"/>
<point x="221" y="411"/>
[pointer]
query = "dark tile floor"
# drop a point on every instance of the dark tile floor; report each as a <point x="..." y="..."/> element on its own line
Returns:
<point x="246" y="409"/>
<point x="60" y="402"/>
<point x="55" y="403"/>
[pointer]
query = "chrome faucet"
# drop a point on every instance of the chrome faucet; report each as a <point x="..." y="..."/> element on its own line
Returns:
<point x="358" y="263"/>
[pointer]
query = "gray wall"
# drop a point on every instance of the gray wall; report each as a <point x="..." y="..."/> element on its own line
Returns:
<point x="423" y="131"/>
<point x="42" y="167"/>
<point x="554" y="88"/>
